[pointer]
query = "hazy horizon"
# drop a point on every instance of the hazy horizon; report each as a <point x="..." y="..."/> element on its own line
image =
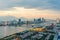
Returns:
<point x="30" y="8"/>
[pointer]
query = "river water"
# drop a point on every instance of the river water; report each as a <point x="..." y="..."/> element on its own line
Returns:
<point x="8" y="30"/>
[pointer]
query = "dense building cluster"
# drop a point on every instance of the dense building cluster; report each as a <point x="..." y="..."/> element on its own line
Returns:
<point x="19" y="22"/>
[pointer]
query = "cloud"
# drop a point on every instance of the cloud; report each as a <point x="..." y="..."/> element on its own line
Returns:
<point x="30" y="13"/>
<point x="39" y="4"/>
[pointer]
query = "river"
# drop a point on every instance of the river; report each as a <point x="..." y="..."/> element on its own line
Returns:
<point x="8" y="30"/>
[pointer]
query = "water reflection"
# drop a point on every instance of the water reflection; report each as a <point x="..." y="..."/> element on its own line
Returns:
<point x="5" y="31"/>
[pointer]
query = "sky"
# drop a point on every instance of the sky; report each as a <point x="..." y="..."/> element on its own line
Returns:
<point x="30" y="8"/>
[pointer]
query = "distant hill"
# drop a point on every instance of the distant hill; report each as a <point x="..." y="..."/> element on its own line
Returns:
<point x="7" y="18"/>
<point x="11" y="18"/>
<point x="23" y="19"/>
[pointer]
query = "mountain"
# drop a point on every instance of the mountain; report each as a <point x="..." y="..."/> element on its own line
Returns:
<point x="7" y="18"/>
<point x="11" y="18"/>
<point x="23" y="19"/>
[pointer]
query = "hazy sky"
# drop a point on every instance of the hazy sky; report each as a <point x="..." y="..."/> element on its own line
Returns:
<point x="30" y="8"/>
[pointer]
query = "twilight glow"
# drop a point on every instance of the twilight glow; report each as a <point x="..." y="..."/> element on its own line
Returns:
<point x="30" y="8"/>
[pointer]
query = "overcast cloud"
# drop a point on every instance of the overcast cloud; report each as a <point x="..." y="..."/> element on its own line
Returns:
<point x="41" y="4"/>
